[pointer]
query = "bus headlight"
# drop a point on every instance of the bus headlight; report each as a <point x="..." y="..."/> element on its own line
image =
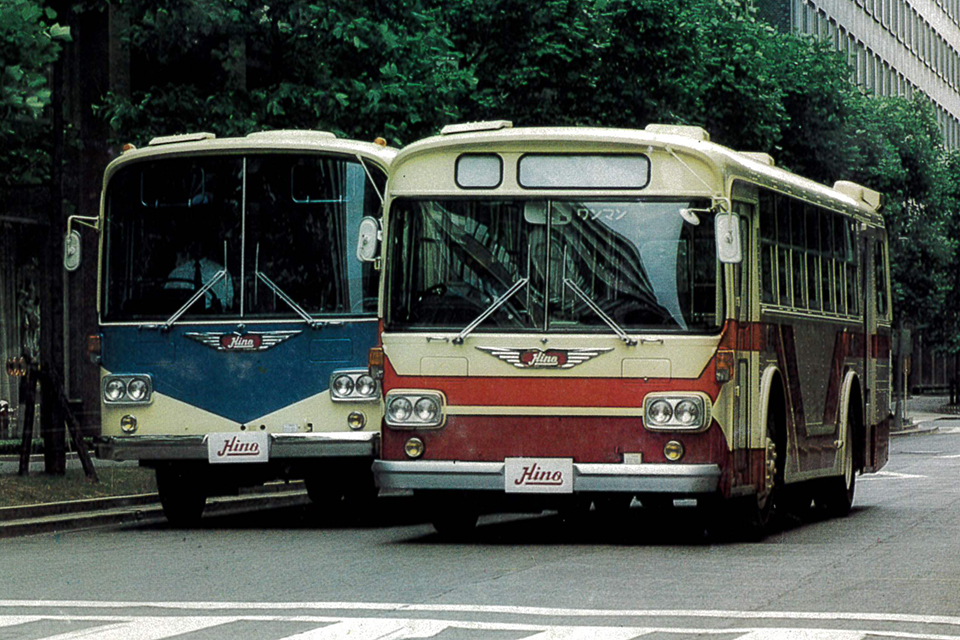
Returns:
<point x="399" y="410"/>
<point x="669" y="412"/>
<point x="113" y="390"/>
<point x="414" y="409"/>
<point x="137" y="389"/>
<point x="354" y="385"/>
<point x="127" y="389"/>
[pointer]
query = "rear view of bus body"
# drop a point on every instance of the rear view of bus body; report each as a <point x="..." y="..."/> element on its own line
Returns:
<point x="576" y="316"/>
<point x="235" y="316"/>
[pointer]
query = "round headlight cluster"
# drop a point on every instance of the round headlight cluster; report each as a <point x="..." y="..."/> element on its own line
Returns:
<point x="413" y="409"/>
<point x="353" y="385"/>
<point x="126" y="389"/>
<point x="675" y="412"/>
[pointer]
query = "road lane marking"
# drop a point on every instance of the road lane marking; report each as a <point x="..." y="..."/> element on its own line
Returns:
<point x="893" y="475"/>
<point x="340" y="628"/>
<point x="145" y="628"/>
<point x="819" y="616"/>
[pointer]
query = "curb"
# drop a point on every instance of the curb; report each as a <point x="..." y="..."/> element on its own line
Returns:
<point x="137" y="509"/>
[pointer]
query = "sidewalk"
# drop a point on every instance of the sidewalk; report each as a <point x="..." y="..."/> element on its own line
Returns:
<point x="142" y="508"/>
<point x="923" y="413"/>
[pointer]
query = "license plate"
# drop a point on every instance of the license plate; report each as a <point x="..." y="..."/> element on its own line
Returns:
<point x="223" y="448"/>
<point x="538" y="475"/>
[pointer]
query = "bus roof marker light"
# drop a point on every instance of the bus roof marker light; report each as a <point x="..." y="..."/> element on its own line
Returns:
<point x="179" y="138"/>
<point x="470" y="127"/>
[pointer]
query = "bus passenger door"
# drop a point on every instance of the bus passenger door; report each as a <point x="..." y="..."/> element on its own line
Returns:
<point x="745" y="349"/>
<point x="876" y="331"/>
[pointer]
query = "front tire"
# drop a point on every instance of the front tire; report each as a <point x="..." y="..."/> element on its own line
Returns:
<point x="181" y="496"/>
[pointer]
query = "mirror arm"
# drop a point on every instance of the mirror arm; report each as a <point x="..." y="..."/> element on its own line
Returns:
<point x="88" y="221"/>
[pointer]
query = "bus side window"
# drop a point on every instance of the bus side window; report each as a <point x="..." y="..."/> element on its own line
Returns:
<point x="853" y="298"/>
<point x="768" y="239"/>
<point x="880" y="280"/>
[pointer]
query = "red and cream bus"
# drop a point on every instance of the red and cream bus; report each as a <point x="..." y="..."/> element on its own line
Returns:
<point x="583" y="315"/>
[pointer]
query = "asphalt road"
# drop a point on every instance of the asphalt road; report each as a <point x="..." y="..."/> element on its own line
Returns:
<point x="889" y="570"/>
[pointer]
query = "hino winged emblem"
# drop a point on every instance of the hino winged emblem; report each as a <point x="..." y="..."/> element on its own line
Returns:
<point x="540" y="359"/>
<point x="252" y="341"/>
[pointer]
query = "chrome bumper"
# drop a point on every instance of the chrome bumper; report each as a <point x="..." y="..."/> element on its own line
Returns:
<point x="587" y="477"/>
<point x="283" y="446"/>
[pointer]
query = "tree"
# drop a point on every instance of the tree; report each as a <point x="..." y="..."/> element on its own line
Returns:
<point x="233" y="66"/>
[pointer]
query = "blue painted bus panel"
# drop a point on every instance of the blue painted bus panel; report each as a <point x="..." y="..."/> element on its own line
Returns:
<point x="240" y="383"/>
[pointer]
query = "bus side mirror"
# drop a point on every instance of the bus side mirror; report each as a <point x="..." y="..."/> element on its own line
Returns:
<point x="368" y="241"/>
<point x="729" y="249"/>
<point x="71" y="251"/>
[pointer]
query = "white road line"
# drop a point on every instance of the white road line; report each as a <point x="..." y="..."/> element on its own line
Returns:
<point x="339" y="628"/>
<point x="10" y="621"/>
<point x="146" y="628"/>
<point x="388" y="629"/>
<point x="802" y="634"/>
<point x="891" y="475"/>
<point x="592" y="633"/>
<point x="493" y="609"/>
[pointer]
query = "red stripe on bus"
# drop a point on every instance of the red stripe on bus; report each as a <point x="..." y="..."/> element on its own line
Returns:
<point x="585" y="439"/>
<point x="528" y="391"/>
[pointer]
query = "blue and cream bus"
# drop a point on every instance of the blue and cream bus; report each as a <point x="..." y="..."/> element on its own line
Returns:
<point x="235" y="315"/>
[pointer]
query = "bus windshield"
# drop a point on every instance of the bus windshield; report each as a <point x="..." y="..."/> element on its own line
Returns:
<point x="638" y="261"/>
<point x="261" y="236"/>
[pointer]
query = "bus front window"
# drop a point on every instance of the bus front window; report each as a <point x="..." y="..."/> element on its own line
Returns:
<point x="637" y="261"/>
<point x="172" y="227"/>
<point x="268" y="236"/>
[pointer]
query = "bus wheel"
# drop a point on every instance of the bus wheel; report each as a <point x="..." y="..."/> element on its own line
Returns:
<point x="180" y="496"/>
<point x="836" y="494"/>
<point x="760" y="511"/>
<point x="456" y="523"/>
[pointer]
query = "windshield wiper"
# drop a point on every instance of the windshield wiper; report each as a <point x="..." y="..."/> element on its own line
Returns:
<point x="280" y="293"/>
<point x="496" y="304"/>
<point x="630" y="342"/>
<point x="220" y="275"/>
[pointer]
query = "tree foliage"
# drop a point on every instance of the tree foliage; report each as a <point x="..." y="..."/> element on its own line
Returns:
<point x="403" y="68"/>
<point x="29" y="43"/>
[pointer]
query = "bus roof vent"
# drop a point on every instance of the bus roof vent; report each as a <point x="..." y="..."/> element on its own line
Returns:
<point x="759" y="156"/>
<point x="470" y="127"/>
<point x="302" y="134"/>
<point x="861" y="194"/>
<point x="183" y="137"/>
<point x="696" y="133"/>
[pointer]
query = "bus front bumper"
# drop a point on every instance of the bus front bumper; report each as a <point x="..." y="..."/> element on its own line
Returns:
<point x="283" y="446"/>
<point x="587" y="477"/>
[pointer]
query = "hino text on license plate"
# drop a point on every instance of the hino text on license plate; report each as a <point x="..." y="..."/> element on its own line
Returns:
<point x="238" y="447"/>
<point x="538" y="475"/>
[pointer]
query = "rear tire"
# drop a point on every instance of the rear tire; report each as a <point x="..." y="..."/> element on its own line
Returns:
<point x="181" y="496"/>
